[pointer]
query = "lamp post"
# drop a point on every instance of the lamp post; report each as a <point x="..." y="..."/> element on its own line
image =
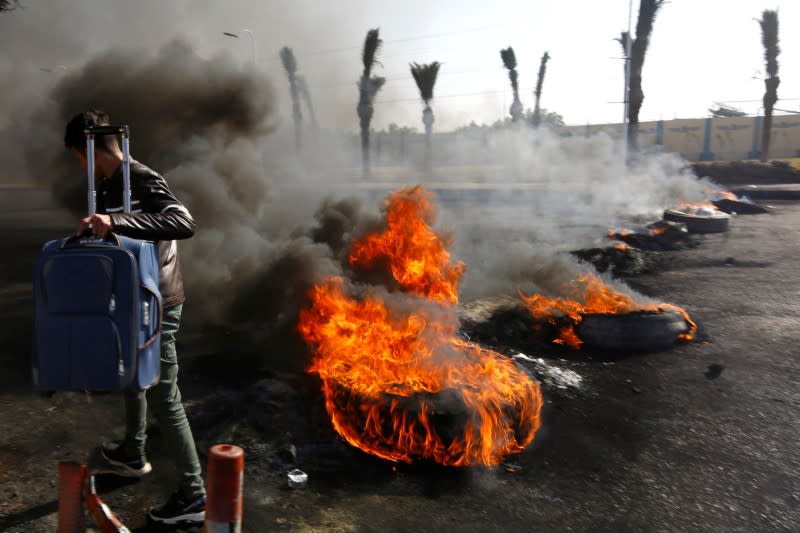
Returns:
<point x="252" y="41"/>
<point x="625" y="98"/>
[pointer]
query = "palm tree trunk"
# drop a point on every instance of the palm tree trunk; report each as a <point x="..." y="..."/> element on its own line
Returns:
<point x="635" y="100"/>
<point x="516" y="106"/>
<point x="769" y="38"/>
<point x="306" y="94"/>
<point x="297" y="114"/>
<point x="368" y="87"/>
<point x="290" y="65"/>
<point x="365" y="167"/>
<point x="644" y="28"/>
<point x="537" y="118"/>
<point x="427" y="120"/>
<point x="365" y="117"/>
<point x="770" y="98"/>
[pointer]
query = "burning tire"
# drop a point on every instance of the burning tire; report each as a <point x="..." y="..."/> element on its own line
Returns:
<point x="636" y="331"/>
<point x="706" y="221"/>
<point x="442" y="427"/>
<point x="739" y="207"/>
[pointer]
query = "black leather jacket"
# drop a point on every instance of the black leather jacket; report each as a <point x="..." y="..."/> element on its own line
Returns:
<point x="156" y="215"/>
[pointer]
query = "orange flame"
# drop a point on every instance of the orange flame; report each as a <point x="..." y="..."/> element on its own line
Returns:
<point x="691" y="208"/>
<point x="401" y="385"/>
<point x="655" y="231"/>
<point x="719" y="194"/>
<point x="419" y="259"/>
<point x="597" y="297"/>
<point x="621" y="247"/>
<point x="374" y="365"/>
<point x="618" y="233"/>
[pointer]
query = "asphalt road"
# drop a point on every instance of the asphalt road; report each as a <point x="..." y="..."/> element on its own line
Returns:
<point x="705" y="437"/>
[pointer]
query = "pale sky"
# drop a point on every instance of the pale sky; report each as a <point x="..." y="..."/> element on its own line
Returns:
<point x="701" y="51"/>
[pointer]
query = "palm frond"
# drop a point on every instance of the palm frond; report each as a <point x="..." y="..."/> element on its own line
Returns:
<point x="372" y="45"/>
<point x="368" y="88"/>
<point x="644" y="24"/>
<point x="508" y="57"/>
<point x="425" y="76"/>
<point x="288" y="60"/>
<point x="375" y="85"/>
<point x="769" y="38"/>
<point x="8" y="5"/>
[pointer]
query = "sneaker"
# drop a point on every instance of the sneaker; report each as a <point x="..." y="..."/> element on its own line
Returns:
<point x="178" y="511"/>
<point x="118" y="463"/>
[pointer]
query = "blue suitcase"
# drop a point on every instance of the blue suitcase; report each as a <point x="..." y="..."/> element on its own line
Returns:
<point x="97" y="307"/>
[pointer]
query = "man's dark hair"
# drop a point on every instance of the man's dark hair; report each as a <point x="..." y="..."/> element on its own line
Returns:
<point x="74" y="136"/>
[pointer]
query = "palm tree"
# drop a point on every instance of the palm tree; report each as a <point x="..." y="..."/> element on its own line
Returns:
<point x="769" y="38"/>
<point x="425" y="76"/>
<point x="368" y="87"/>
<point x="538" y="92"/>
<point x="302" y="86"/>
<point x="635" y="96"/>
<point x="290" y="65"/>
<point x="510" y="62"/>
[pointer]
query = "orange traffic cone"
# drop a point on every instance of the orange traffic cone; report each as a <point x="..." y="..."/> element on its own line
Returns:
<point x="70" y="502"/>
<point x="224" y="498"/>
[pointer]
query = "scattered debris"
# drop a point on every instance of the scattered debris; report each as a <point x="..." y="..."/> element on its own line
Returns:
<point x="619" y="260"/>
<point x="551" y="375"/>
<point x="297" y="479"/>
<point x="714" y="371"/>
<point x="287" y="454"/>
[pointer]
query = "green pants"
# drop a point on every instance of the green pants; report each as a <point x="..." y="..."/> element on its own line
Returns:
<point x="164" y="399"/>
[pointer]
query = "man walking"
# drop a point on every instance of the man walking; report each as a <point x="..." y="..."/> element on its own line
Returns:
<point x="156" y="215"/>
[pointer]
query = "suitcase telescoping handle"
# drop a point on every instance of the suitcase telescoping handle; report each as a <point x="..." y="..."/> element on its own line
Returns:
<point x="124" y="133"/>
<point x="87" y="240"/>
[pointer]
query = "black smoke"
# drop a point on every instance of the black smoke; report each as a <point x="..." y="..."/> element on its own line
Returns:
<point x="208" y="126"/>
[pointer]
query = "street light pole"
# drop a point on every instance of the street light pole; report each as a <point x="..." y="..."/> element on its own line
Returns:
<point x="252" y="41"/>
<point x="625" y="96"/>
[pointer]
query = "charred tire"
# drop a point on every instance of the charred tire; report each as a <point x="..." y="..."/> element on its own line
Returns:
<point x="739" y="207"/>
<point x="444" y="416"/>
<point x="640" y="331"/>
<point x="698" y="224"/>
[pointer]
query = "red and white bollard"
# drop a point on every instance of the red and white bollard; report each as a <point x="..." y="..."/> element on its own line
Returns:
<point x="71" y="518"/>
<point x="101" y="515"/>
<point x="224" y="498"/>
